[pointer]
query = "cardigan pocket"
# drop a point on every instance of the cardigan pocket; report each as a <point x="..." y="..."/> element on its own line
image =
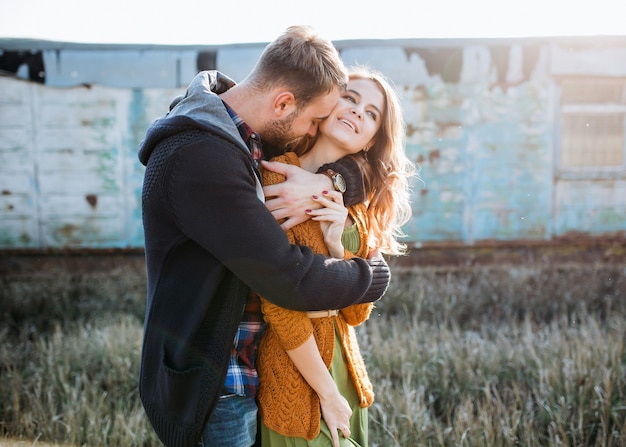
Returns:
<point x="179" y="393"/>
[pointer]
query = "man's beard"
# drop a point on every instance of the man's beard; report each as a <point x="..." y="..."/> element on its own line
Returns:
<point x="276" y="136"/>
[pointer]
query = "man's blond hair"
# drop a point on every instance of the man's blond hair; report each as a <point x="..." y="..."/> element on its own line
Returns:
<point x="301" y="61"/>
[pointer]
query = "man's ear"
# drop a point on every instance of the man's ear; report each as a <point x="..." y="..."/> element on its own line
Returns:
<point x="284" y="104"/>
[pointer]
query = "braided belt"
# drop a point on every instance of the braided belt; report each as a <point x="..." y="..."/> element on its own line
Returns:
<point x="322" y="313"/>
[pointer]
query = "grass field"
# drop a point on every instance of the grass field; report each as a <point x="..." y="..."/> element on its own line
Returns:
<point x="494" y="355"/>
<point x="16" y="443"/>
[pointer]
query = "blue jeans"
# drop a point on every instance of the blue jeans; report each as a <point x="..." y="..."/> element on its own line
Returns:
<point x="232" y="424"/>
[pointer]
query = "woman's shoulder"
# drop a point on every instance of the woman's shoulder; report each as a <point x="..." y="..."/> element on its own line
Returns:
<point x="288" y="157"/>
<point x="270" y="177"/>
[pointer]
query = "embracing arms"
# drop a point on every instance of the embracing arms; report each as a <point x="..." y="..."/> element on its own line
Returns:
<point x="289" y="199"/>
<point x="217" y="207"/>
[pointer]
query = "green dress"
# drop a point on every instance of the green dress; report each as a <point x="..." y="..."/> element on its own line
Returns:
<point x="341" y="376"/>
<point x="358" y="420"/>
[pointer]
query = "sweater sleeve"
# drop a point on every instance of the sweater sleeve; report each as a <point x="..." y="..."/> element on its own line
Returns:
<point x="357" y="314"/>
<point x="351" y="173"/>
<point x="214" y="202"/>
<point x="293" y="328"/>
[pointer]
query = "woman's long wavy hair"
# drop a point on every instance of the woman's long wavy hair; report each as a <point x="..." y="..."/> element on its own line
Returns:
<point x="387" y="170"/>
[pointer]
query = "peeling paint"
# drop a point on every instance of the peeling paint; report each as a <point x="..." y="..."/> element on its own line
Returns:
<point x="482" y="120"/>
<point x="92" y="200"/>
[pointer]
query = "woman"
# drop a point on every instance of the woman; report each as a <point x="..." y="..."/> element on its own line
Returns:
<point x="313" y="381"/>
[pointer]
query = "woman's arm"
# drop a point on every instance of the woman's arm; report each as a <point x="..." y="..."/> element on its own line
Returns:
<point x="335" y="408"/>
<point x="294" y="331"/>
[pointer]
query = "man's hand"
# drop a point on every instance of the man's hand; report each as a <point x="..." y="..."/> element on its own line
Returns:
<point x="290" y="199"/>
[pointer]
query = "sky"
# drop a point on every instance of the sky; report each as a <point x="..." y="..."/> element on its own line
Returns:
<point x="194" y="22"/>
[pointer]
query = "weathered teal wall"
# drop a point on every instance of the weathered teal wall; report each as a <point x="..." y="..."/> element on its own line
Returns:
<point x="486" y="158"/>
<point x="69" y="172"/>
<point x="482" y="123"/>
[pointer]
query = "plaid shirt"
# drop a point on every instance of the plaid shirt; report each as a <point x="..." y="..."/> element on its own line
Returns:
<point x="242" y="378"/>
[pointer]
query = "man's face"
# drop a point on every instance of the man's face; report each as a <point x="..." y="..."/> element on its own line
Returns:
<point x="296" y="125"/>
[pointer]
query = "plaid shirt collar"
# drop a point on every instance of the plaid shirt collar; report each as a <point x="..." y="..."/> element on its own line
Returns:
<point x="249" y="136"/>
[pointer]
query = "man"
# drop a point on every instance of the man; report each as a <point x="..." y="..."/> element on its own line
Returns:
<point x="210" y="239"/>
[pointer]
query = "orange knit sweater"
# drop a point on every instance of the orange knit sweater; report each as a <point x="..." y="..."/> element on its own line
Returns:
<point x="287" y="403"/>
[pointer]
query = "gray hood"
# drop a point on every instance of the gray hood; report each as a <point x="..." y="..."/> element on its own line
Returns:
<point x="202" y="100"/>
<point x="200" y="107"/>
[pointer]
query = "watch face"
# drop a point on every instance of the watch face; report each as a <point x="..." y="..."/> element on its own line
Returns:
<point x="339" y="183"/>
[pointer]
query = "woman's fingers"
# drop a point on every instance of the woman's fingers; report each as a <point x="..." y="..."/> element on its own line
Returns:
<point x="345" y="431"/>
<point x="334" y="196"/>
<point x="335" y="437"/>
<point x="330" y="211"/>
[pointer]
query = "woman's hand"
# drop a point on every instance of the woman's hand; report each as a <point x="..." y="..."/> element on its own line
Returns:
<point x="335" y="408"/>
<point x="332" y="218"/>
<point x="336" y="412"/>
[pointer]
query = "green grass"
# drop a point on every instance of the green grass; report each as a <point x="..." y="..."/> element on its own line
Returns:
<point x="488" y="356"/>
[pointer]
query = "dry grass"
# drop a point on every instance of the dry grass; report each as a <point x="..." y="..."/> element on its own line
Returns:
<point x="491" y="356"/>
<point x="556" y="385"/>
<point x="17" y="443"/>
<point x="76" y="384"/>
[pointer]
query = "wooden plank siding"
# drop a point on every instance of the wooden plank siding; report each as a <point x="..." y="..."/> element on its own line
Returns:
<point x="484" y="123"/>
<point x="70" y="174"/>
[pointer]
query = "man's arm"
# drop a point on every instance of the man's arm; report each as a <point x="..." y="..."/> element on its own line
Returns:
<point x="291" y="198"/>
<point x="217" y="207"/>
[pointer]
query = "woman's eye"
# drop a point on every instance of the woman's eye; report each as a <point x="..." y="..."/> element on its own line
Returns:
<point x="350" y="98"/>
<point x="373" y="115"/>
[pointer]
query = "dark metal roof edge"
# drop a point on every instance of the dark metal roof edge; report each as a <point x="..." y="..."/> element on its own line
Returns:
<point x="9" y="43"/>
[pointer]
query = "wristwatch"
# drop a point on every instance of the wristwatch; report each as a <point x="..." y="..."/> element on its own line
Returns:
<point x="339" y="183"/>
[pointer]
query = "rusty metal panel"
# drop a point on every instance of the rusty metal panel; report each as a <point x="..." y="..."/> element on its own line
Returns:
<point x="19" y="217"/>
<point x="76" y="220"/>
<point x="72" y="231"/>
<point x="78" y="144"/>
<point x="70" y="174"/>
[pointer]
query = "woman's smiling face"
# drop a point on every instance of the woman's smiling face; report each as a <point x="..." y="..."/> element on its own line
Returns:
<point x="356" y="118"/>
